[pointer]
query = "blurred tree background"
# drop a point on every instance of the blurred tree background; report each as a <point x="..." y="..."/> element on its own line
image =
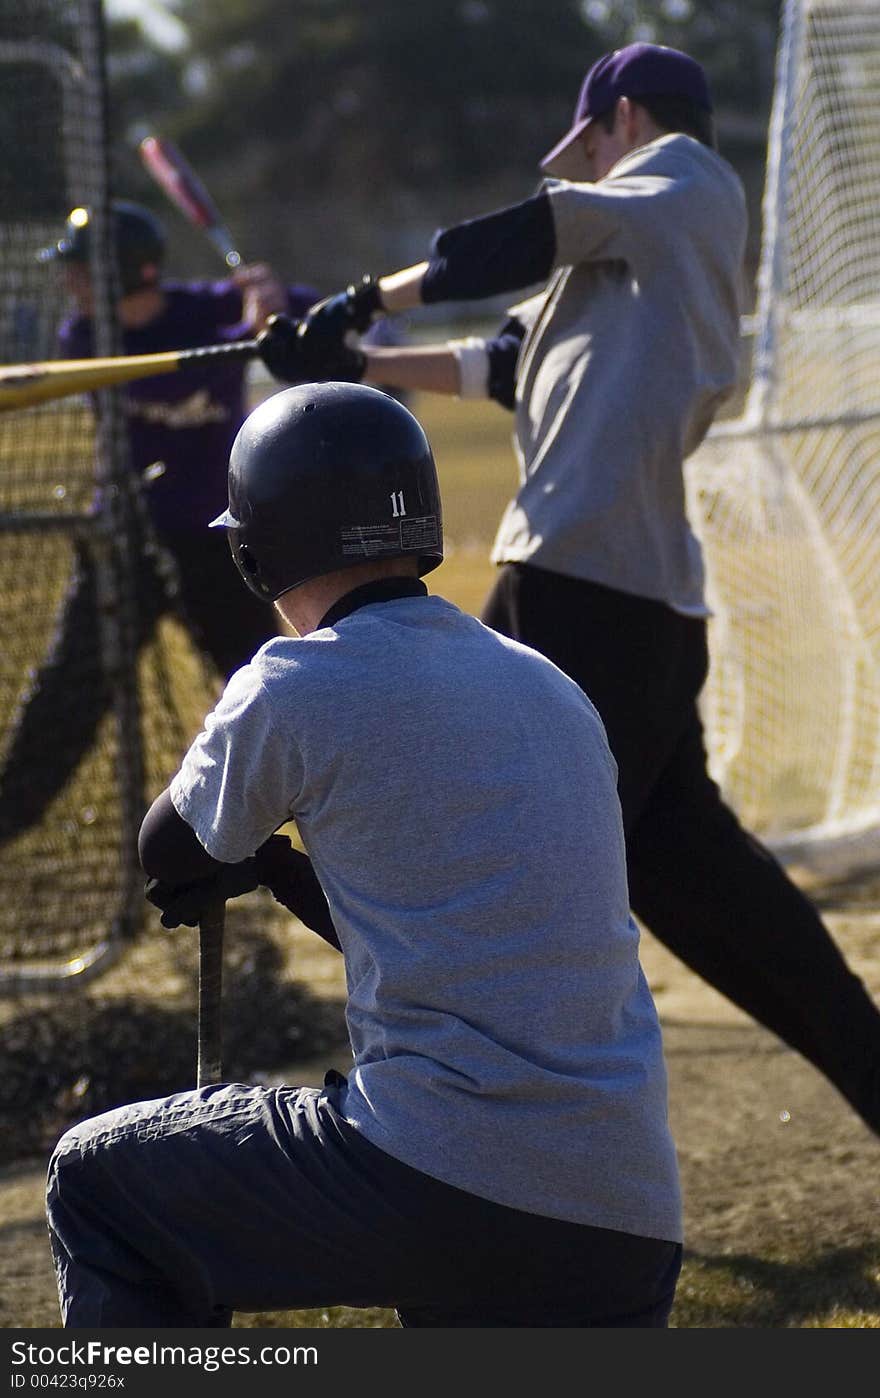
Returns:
<point x="337" y="135"/>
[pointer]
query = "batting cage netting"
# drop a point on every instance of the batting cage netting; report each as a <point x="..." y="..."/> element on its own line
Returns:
<point x="93" y="716"/>
<point x="787" y="499"/>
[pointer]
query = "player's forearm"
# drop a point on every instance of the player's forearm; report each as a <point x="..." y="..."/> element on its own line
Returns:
<point x="469" y="368"/>
<point x="402" y="291"/>
<point x="427" y="368"/>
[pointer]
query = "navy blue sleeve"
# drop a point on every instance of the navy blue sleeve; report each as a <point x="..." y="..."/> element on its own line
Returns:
<point x="503" y="350"/>
<point x="169" y="848"/>
<point x="503" y="251"/>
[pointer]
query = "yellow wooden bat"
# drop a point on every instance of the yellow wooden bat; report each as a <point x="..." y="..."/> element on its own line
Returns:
<point x="25" y="385"/>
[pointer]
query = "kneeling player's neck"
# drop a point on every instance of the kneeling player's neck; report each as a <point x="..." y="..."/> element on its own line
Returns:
<point x="304" y="607"/>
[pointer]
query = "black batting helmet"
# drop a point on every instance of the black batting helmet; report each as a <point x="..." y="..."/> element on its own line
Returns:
<point x="138" y="236"/>
<point x="326" y="475"/>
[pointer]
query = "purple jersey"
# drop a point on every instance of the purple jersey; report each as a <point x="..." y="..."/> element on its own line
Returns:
<point x="186" y="420"/>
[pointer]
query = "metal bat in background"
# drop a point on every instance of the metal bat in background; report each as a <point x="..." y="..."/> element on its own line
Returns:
<point x="25" y="385"/>
<point x="176" y="177"/>
<point x="211" y="935"/>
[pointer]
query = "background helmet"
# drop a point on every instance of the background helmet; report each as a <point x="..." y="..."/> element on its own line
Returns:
<point x="138" y="235"/>
<point x="327" y="475"/>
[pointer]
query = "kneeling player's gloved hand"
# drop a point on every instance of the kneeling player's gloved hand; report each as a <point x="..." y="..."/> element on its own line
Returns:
<point x="183" y="905"/>
<point x="292" y="357"/>
<point x="276" y="865"/>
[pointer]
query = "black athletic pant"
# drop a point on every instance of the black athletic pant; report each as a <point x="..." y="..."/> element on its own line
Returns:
<point x="57" y="722"/>
<point x="181" y="1211"/>
<point x="702" y="885"/>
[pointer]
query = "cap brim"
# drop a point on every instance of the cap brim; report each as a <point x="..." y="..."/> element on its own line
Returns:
<point x="568" y="159"/>
<point x="225" y="521"/>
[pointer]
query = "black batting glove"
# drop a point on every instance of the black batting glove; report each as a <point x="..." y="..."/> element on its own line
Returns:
<point x="317" y="347"/>
<point x="295" y="357"/>
<point x="183" y="905"/>
<point x="355" y="309"/>
<point x="280" y="349"/>
<point x="276" y="865"/>
<point x="341" y="363"/>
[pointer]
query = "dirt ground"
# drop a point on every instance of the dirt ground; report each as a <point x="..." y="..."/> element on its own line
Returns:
<point x="781" y="1179"/>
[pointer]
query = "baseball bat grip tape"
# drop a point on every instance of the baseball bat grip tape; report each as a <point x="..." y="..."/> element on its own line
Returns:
<point x="236" y="349"/>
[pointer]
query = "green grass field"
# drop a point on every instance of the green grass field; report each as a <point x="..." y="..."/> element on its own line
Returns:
<point x="478" y="475"/>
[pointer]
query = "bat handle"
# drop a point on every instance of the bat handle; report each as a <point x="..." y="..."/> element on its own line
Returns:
<point x="235" y="349"/>
<point x="222" y="240"/>
<point x="211" y="936"/>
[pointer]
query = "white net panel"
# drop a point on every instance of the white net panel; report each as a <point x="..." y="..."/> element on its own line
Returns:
<point x="787" y="498"/>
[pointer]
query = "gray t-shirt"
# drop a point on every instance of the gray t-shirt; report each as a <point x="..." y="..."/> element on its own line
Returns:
<point x="457" y="796"/>
<point x="628" y="355"/>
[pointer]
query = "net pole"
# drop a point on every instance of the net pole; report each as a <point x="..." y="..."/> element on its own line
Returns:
<point x="771" y="271"/>
<point x="118" y="542"/>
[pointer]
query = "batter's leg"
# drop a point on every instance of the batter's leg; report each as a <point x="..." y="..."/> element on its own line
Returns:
<point x="711" y="893"/>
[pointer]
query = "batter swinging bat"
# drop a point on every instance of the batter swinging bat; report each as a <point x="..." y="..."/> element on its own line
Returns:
<point x="211" y="934"/>
<point x="24" y="385"/>
<point x="176" y="177"/>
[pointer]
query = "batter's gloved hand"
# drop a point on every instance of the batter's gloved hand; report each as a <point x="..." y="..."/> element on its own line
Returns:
<point x="326" y="332"/>
<point x="280" y="349"/>
<point x="291" y="357"/>
<point x="355" y="309"/>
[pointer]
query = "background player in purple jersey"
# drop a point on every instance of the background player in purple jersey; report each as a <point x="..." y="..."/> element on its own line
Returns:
<point x="180" y="428"/>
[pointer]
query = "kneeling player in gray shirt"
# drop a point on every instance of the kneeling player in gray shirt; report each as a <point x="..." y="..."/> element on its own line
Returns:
<point x="499" y="1152"/>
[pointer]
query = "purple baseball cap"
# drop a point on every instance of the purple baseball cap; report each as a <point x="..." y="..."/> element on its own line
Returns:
<point x="639" y="70"/>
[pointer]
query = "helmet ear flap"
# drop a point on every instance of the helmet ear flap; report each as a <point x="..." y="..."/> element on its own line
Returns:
<point x="247" y="562"/>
